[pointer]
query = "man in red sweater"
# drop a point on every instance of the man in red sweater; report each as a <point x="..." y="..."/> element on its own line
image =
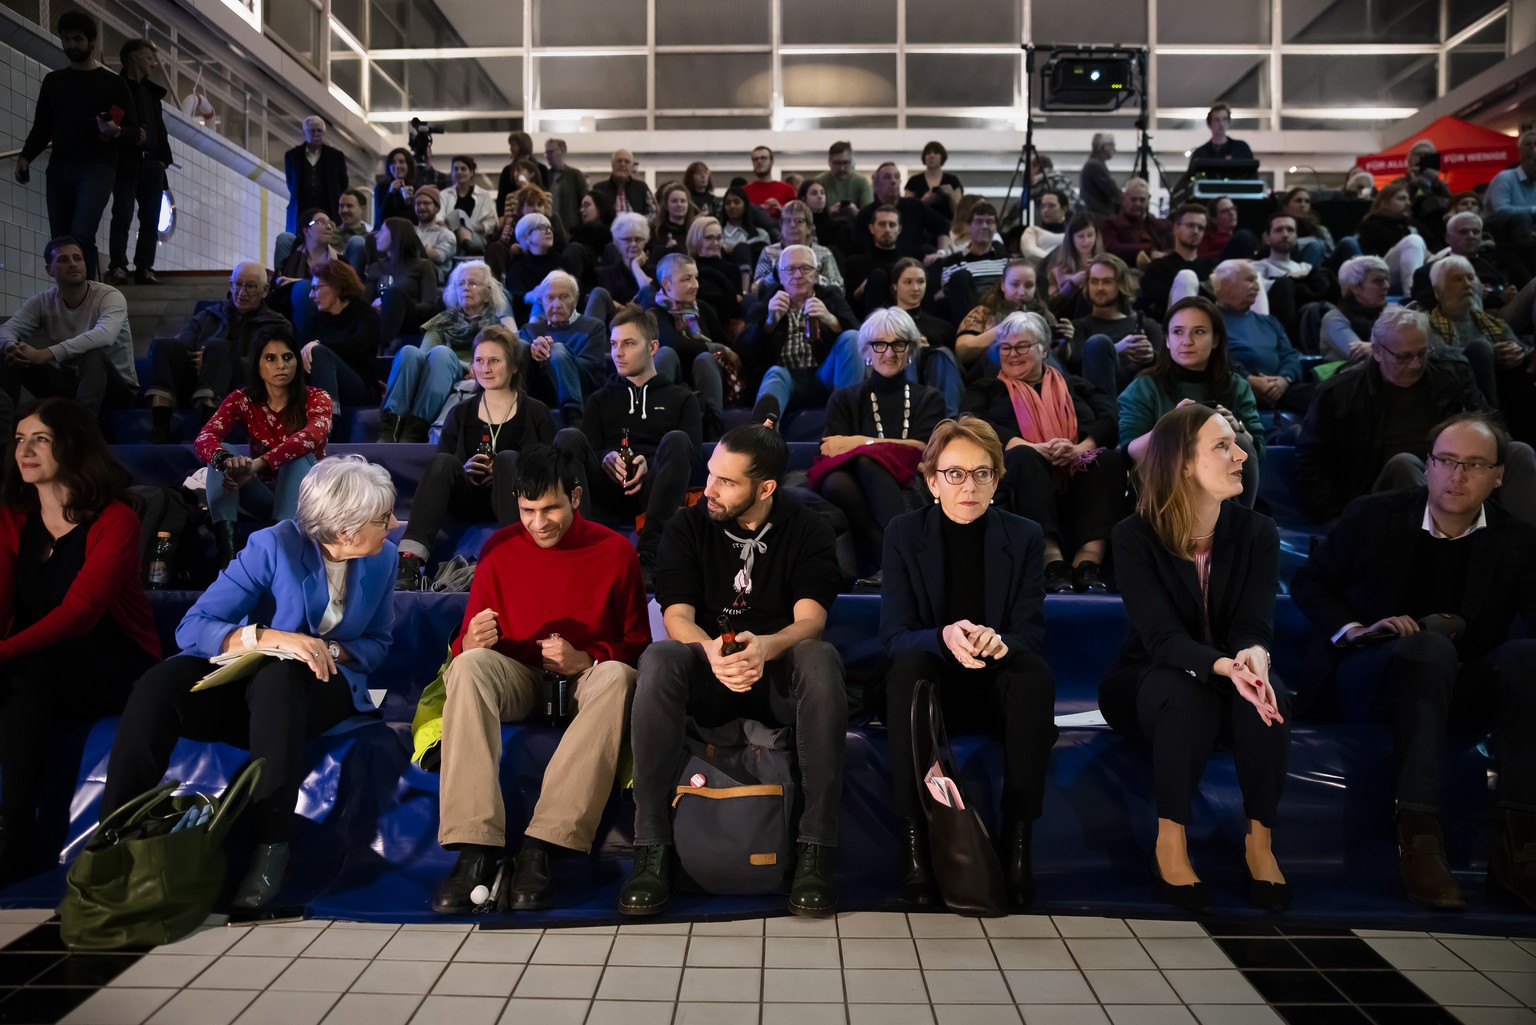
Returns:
<point x="764" y="190"/>
<point x="585" y="620"/>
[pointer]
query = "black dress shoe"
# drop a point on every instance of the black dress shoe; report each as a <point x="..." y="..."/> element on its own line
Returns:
<point x="1086" y="579"/>
<point x="917" y="886"/>
<point x="1192" y="898"/>
<point x="264" y="878"/>
<point x="476" y="867"/>
<point x="1018" y="867"/>
<point x="1058" y="577"/>
<point x="813" y="892"/>
<point x="146" y="277"/>
<point x="530" y="887"/>
<point x="1274" y="898"/>
<point x="649" y="885"/>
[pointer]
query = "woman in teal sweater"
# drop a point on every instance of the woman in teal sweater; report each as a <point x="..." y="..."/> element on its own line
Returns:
<point x="1194" y="367"/>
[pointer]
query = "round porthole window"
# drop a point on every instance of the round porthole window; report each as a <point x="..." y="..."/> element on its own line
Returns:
<point x="166" y="225"/>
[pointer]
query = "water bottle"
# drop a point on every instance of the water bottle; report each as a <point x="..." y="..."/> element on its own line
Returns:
<point x="160" y="562"/>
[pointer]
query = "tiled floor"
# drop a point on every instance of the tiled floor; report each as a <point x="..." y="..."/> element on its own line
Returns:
<point x="875" y="968"/>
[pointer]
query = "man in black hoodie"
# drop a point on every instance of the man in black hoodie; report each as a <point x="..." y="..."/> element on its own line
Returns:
<point x="664" y="425"/>
<point x="142" y="158"/>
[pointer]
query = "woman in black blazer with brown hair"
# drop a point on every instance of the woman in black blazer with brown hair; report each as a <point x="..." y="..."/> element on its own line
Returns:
<point x="962" y="605"/>
<point x="1199" y="574"/>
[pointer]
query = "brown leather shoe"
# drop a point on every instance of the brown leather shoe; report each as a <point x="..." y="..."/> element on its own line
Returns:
<point x="1513" y="861"/>
<point x="1421" y="860"/>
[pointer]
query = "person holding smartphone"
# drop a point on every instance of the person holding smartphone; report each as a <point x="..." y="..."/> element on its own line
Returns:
<point x="1113" y="343"/>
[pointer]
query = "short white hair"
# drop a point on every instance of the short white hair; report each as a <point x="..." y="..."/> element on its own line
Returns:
<point x="1100" y="140"/>
<point x="1136" y="183"/>
<point x="891" y="324"/>
<point x="1463" y="217"/>
<point x="341" y="495"/>
<point x="553" y="280"/>
<point x="313" y="119"/>
<point x="527" y="225"/>
<point x="803" y="250"/>
<point x="1352" y="271"/>
<point x="1394" y="320"/>
<point x="673" y="263"/>
<point x="1228" y="270"/>
<point x="631" y="220"/>
<point x="1025" y="322"/>
<point x="1443" y="266"/>
<point x="453" y="291"/>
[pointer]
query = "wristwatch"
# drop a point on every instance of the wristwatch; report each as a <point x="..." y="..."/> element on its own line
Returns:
<point x="334" y="650"/>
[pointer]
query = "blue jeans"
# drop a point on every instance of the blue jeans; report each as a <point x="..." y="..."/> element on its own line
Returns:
<point x="1310" y="250"/>
<point x="77" y="196"/>
<point x="707" y="380"/>
<point x="841" y="368"/>
<point x="560" y="370"/>
<point x="420" y="381"/>
<point x="1103" y="366"/>
<point x="941" y="370"/>
<point x="271" y="504"/>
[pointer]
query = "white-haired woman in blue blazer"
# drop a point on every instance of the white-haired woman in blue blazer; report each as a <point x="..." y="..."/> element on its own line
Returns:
<point x="320" y="586"/>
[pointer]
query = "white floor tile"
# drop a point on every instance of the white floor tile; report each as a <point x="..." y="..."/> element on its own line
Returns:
<point x="742" y="927"/>
<point x="872" y="924"/>
<point x="1492" y="955"/>
<point x="10" y="932"/>
<point x="1212" y="987"/>
<point x="1494" y="1015"/>
<point x="802" y="952"/>
<point x="364" y="943"/>
<point x="321" y="975"/>
<point x="707" y="1013"/>
<point x="203" y="1007"/>
<point x="1461" y="988"/>
<point x="372" y="1009"/>
<point x="725" y="951"/>
<point x="455" y="1010"/>
<point x="241" y="973"/>
<point x="1237" y="1014"/>
<point x="274" y="942"/>
<point x="500" y="947"/>
<point x="1416" y="954"/>
<point x="407" y="977"/>
<point x="114" y="1006"/>
<point x="1150" y="1016"/>
<point x="618" y="1012"/>
<point x="565" y="982"/>
<point x="588" y="930"/>
<point x="1062" y="1014"/>
<point x="1105" y="953"/>
<point x="544" y="1012"/>
<point x="163" y="971"/>
<point x="458" y="927"/>
<point x="1033" y="954"/>
<point x="1050" y="988"/>
<point x="721" y="985"/>
<point x="639" y="984"/>
<point x="802" y="985"/>
<point x="879" y="953"/>
<point x="1157" y="928"/>
<point x="875" y="986"/>
<point x="25" y="916"/>
<point x="213" y="940"/>
<point x="389" y="927"/>
<point x="478" y="979"/>
<point x="1186" y="953"/>
<point x="952" y="926"/>
<point x="1116" y="986"/>
<point x="1520" y="985"/>
<point x="795" y="925"/>
<point x="274" y="1008"/>
<point x="1021" y="926"/>
<point x="411" y="944"/>
<point x="959" y="987"/>
<point x="1069" y="925"/>
<point x="563" y="948"/>
<point x="804" y="1014"/>
<point x="889" y="1014"/>
<point x="655" y="929"/>
<point x="976" y="1014"/>
<point x="972" y="954"/>
<point x="649" y="950"/>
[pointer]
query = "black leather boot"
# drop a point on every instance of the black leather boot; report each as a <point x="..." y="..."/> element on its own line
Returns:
<point x="264" y="878"/>
<point x="1018" y="866"/>
<point x="531" y="888"/>
<point x="476" y="867"/>
<point x="1512" y="864"/>
<point x="917" y="887"/>
<point x="649" y="885"/>
<point x="223" y="543"/>
<point x="814" y="891"/>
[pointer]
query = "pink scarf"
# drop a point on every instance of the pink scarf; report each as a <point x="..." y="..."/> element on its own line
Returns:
<point x="1048" y="413"/>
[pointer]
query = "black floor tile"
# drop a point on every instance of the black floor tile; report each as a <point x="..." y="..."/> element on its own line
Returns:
<point x="42" y="1006"/>
<point x="1294" y="929"/>
<point x="1411" y="1016"/>
<point x="44" y="937"/>
<point x="1389" y="987"/>
<point x="86" y="970"/>
<point x="1295" y="987"/>
<point x="1339" y="1014"/>
<point x="1242" y="927"/>
<point x="18" y="969"/>
<point x="1340" y="953"/>
<point x="1261" y="953"/>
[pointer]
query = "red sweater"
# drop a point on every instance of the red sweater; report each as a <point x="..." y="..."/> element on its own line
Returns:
<point x="108" y="583"/>
<point x="269" y="438"/>
<point x="761" y="192"/>
<point x="587" y="589"/>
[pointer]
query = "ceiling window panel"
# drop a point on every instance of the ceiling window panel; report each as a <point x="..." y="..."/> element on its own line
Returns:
<point x="961" y="80"/>
<point x="1213" y="22"/>
<point x="1358" y="80"/>
<point x="586" y="22"/>
<point x="840" y="80"/>
<point x="1199" y="81"/>
<point x="976" y="21"/>
<point x="1464" y="12"/>
<point x="1104" y="22"/>
<point x="718" y="22"/>
<point x="810" y="22"/>
<point x="465" y="20"/>
<point x="605" y="83"/>
<point x="1361" y="21"/>
<point x="700" y="81"/>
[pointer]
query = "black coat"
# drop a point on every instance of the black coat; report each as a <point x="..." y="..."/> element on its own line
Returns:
<point x="912" y="612"/>
<point x="761" y="344"/>
<point x="333" y="181"/>
<point x="1097" y="415"/>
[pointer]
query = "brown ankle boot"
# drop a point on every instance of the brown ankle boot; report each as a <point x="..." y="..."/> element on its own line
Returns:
<point x="1512" y="864"/>
<point x="1421" y="860"/>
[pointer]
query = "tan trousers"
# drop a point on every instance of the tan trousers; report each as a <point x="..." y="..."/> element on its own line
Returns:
<point x="486" y="689"/>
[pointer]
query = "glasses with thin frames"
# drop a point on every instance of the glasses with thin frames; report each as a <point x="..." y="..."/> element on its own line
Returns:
<point x="1474" y="467"/>
<point x="956" y="475"/>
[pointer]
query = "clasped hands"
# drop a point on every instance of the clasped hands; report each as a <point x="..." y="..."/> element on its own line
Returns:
<point x="1249" y="672"/>
<point x="1057" y="451"/>
<point x="739" y="671"/>
<point x="970" y="643"/>
<point x="20" y="354"/>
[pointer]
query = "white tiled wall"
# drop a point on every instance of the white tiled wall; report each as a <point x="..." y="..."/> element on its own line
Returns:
<point x="219" y="216"/>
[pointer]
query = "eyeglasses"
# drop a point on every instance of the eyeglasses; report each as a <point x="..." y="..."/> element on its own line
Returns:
<point x="982" y="475"/>
<point x="800" y="269"/>
<point x="879" y="348"/>
<point x="629" y="240"/>
<point x="1406" y="359"/>
<point x="1474" y="467"/>
<point x="1017" y="349"/>
<point x="320" y="220"/>
<point x="246" y="286"/>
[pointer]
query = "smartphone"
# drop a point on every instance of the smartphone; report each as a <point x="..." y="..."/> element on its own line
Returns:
<point x="1429" y="162"/>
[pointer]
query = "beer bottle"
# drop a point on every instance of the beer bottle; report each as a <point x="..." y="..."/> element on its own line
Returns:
<point x="626" y="455"/>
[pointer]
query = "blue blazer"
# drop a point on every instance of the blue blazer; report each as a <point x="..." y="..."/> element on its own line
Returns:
<point x="912" y="596"/>
<point x="278" y="580"/>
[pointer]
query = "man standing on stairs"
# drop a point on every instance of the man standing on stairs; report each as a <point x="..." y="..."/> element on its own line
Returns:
<point x="142" y="157"/>
<point x="71" y="340"/>
<point x="317" y="173"/>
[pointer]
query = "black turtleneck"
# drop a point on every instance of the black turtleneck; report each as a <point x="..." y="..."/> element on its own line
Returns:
<point x="850" y="412"/>
<point x="965" y="567"/>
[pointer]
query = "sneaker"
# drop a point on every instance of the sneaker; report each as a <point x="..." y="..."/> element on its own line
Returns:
<point x="409" y="572"/>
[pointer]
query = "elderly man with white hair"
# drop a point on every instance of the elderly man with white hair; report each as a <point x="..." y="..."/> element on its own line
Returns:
<point x="1458" y="321"/>
<point x="317" y="174"/>
<point x="1364" y="282"/>
<point x="529" y="264"/>
<point x="1260" y="349"/>
<point x="1500" y="272"/>
<point x="627" y="193"/>
<point x="1100" y="194"/>
<point x="568" y="350"/>
<point x="799" y="345"/>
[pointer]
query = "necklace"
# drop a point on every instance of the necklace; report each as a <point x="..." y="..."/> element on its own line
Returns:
<point x="906" y="411"/>
<point x="1204" y="537"/>
<point x="493" y="427"/>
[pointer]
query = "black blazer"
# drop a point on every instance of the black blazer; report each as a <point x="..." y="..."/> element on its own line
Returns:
<point x="1163" y="600"/>
<point x="912" y="594"/>
<point x="333" y="179"/>
<point x="1362" y="572"/>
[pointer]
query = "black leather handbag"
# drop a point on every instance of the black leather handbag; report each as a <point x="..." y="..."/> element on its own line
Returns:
<point x="965" y="864"/>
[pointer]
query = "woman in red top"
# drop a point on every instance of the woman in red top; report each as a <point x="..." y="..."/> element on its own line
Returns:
<point x="75" y="627"/>
<point x="287" y="421"/>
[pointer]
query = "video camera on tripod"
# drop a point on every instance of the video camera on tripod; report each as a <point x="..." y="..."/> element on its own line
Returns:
<point x="420" y="138"/>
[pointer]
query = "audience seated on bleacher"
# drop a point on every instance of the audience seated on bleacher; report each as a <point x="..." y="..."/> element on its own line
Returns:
<point x="1499" y="271"/>
<point x="1064" y="469"/>
<point x="795" y="229"/>
<point x="1134" y="234"/>
<point x="401" y="280"/>
<point x="345" y="513"/>
<point x="700" y="185"/>
<point x="470" y="209"/>
<point x="848" y="192"/>
<point x="624" y="270"/>
<point x="287" y="421"/>
<point x="1290" y="283"/>
<point x="1098" y="191"/>
<point x="1113" y="343"/>
<point x="934" y="185"/>
<point x="1368" y="426"/>
<point x="966" y="274"/>
<point x="393" y="190"/>
<point x="592" y="231"/>
<point x="1194" y="367"/>
<point x="693" y="341"/>
<point x="519" y="151"/>
<point x="311" y="249"/>
<point x="753" y="561"/>
<point x="909" y="286"/>
<point x="1412" y="596"/>
<point x="800" y="344"/>
<point x="436" y="239"/>
<point x="1500" y="362"/>
<point x="351" y="224"/>
<point x="70" y="341"/>
<point x="720" y="279"/>
<point x="1260" y="349"/>
<point x="1223" y="239"/>
<point x="742" y="233"/>
<point x="764" y="189"/>
<point x="669" y="225"/>
<point x="625" y="193"/>
<point x="1388" y="231"/>
<point x="979" y="644"/>
<point x="1159" y="275"/>
<point x="534" y="259"/>
<point x="1511" y="196"/>
<point x="423" y="378"/>
<point x="1364" y="283"/>
<point x="1428" y="192"/>
<point x="78" y="629"/>
<point x="1314" y="242"/>
<point x="923" y="228"/>
<point x="1066" y="268"/>
<point x="565" y="352"/>
<point x="1016" y="291"/>
<point x="661" y="422"/>
<point x="834" y="232"/>
<point x="1044" y="177"/>
<point x="587" y="623"/>
<point x="341" y="338"/>
<point x="503" y="245"/>
<point x="869" y="282"/>
<point x="1042" y="238"/>
<point x="875" y="431"/>
<point x="473" y="476"/>
<point x="206" y="360"/>
<point x="1199" y="575"/>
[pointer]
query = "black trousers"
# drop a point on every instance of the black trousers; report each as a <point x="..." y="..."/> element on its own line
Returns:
<point x="177" y="378"/>
<point x="90" y="379"/>
<point x="662" y="492"/>
<point x="141" y="186"/>
<point x="446" y="490"/>
<point x="870" y="497"/>
<point x="1184" y="719"/>
<point x="270" y="714"/>
<point x="1420" y="685"/>
<point x="803" y="690"/>
<point x="1014" y="701"/>
<point x="1085" y="508"/>
<point x="40" y="692"/>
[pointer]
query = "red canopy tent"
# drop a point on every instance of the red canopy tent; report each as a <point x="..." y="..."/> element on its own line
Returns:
<point x="1469" y="155"/>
